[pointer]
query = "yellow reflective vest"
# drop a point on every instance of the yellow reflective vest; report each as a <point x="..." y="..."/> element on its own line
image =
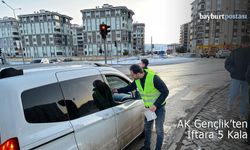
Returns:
<point x="149" y="70"/>
<point x="149" y="94"/>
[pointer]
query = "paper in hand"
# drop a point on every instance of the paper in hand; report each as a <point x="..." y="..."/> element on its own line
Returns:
<point x="150" y="115"/>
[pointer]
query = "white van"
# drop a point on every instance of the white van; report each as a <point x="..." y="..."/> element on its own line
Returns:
<point x="52" y="107"/>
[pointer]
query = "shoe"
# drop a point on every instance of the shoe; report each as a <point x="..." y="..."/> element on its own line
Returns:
<point x="144" y="148"/>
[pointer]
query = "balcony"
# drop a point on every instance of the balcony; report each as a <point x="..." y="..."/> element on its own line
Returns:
<point x="15" y="33"/>
<point x="16" y="38"/>
<point x="57" y="29"/>
<point x="201" y="2"/>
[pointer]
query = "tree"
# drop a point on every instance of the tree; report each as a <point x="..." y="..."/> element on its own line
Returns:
<point x="125" y="52"/>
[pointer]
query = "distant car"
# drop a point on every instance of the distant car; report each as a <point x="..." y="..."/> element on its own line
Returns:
<point x="55" y="60"/>
<point x="42" y="61"/>
<point x="222" y="53"/>
<point x="67" y="60"/>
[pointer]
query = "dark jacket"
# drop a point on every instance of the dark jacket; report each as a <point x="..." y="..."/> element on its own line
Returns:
<point x="248" y="75"/>
<point x="236" y="64"/>
<point x="158" y="84"/>
<point x="103" y="97"/>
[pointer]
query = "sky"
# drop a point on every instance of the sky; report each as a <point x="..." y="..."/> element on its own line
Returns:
<point x="162" y="18"/>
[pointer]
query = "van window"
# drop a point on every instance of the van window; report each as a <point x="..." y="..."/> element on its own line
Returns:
<point x="118" y="82"/>
<point x="85" y="96"/>
<point x="44" y="104"/>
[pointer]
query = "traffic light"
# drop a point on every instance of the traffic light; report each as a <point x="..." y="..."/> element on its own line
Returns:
<point x="0" y="51"/>
<point x="104" y="30"/>
<point x="115" y="43"/>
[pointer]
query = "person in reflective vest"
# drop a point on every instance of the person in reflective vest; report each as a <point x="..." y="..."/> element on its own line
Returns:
<point x="144" y="64"/>
<point x="153" y="92"/>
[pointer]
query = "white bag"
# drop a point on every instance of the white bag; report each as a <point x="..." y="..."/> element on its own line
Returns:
<point x="150" y="115"/>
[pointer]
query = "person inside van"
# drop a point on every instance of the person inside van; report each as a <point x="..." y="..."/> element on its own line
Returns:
<point x="102" y="95"/>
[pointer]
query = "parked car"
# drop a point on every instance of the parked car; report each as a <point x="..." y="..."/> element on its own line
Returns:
<point x="41" y="60"/>
<point x="223" y="53"/>
<point x="207" y="53"/>
<point x="67" y="60"/>
<point x="52" y="107"/>
<point x="55" y="60"/>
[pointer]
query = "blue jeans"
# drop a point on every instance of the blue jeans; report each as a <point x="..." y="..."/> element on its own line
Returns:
<point x="159" y="121"/>
<point x="239" y="87"/>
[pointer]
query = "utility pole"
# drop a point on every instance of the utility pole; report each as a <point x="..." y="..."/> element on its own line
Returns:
<point x="151" y="46"/>
<point x="104" y="30"/>
<point x="116" y="51"/>
<point x="105" y="50"/>
<point x="20" y="40"/>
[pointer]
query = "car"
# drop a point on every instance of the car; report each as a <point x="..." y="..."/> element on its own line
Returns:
<point x="52" y="107"/>
<point x="41" y="60"/>
<point x="223" y="53"/>
<point x="67" y="60"/>
<point x="55" y="60"/>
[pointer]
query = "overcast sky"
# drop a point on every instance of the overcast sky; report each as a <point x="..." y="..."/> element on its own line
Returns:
<point x="161" y="17"/>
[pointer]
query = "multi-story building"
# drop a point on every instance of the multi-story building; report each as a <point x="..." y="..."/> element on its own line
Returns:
<point x="217" y="33"/>
<point x="120" y="21"/>
<point x="139" y="37"/>
<point x="46" y="34"/>
<point x="77" y="33"/>
<point x="184" y="36"/>
<point x="9" y="37"/>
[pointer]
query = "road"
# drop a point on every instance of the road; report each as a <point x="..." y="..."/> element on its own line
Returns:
<point x="187" y="83"/>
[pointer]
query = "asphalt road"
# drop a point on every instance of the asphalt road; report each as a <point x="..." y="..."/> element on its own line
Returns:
<point x="187" y="83"/>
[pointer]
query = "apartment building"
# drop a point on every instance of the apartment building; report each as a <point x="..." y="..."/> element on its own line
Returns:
<point x="46" y="34"/>
<point x="77" y="33"/>
<point x="139" y="37"/>
<point x="217" y="33"/>
<point x="184" y="35"/>
<point x="9" y="37"/>
<point x="120" y="21"/>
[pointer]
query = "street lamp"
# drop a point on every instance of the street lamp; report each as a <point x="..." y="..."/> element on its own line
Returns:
<point x="14" y="9"/>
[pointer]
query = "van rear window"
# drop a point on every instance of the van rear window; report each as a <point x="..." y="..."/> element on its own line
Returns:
<point x="44" y="104"/>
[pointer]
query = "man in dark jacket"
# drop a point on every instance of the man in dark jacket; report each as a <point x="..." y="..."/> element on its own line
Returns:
<point x="236" y="64"/>
<point x="248" y="120"/>
<point x="144" y="64"/>
<point x="153" y="91"/>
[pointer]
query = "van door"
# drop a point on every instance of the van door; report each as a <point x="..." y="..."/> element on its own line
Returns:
<point x="129" y="114"/>
<point x="94" y="128"/>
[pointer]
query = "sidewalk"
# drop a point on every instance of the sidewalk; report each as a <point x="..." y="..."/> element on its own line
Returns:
<point x="203" y="134"/>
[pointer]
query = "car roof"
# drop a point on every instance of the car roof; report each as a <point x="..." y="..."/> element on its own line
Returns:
<point x="45" y="74"/>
